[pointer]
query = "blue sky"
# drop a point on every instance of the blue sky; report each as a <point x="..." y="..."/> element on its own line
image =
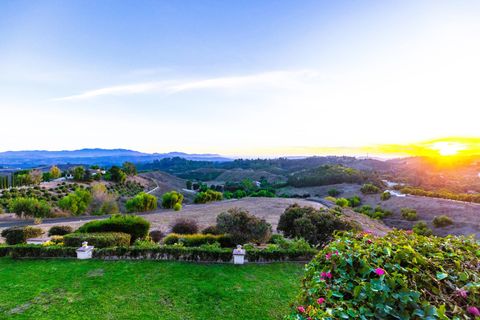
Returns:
<point x="236" y="77"/>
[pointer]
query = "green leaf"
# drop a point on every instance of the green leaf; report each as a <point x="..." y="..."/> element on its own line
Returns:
<point x="441" y="275"/>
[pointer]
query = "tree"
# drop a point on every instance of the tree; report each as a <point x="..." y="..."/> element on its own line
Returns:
<point x="129" y="168"/>
<point x="142" y="202"/>
<point x="103" y="202"/>
<point x="78" y="173"/>
<point x="171" y="199"/>
<point x="208" y="196"/>
<point x="30" y="207"/>
<point x="55" y="172"/>
<point x="76" y="202"/>
<point x="117" y="174"/>
<point x="35" y="176"/>
<point x="189" y="184"/>
<point x="243" y="227"/>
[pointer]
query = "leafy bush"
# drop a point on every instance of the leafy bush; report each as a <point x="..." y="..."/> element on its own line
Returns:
<point x="177" y="207"/>
<point x="354" y="201"/>
<point x="211" y="230"/>
<point x="243" y="227"/>
<point x="374" y="213"/>
<point x="196" y="240"/>
<point x="293" y="244"/>
<point x="99" y="240"/>
<point x="409" y="214"/>
<point x="342" y="202"/>
<point x="399" y="276"/>
<point x="156" y="235"/>
<point x="315" y="226"/>
<point x="333" y="192"/>
<point x="171" y="199"/>
<point x="30" y="207"/>
<point x="385" y="196"/>
<point x="422" y="229"/>
<point x="18" y="235"/>
<point x="208" y="196"/>
<point x="137" y="227"/>
<point x="108" y="207"/>
<point x="76" y="202"/>
<point x="142" y="202"/>
<point x="184" y="226"/>
<point x="442" y="221"/>
<point x="325" y="175"/>
<point x="369" y="188"/>
<point x="59" y="230"/>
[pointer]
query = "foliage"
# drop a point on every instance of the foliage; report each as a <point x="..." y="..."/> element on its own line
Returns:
<point x="399" y="276"/>
<point x="129" y="169"/>
<point x="172" y="198"/>
<point x="142" y="202"/>
<point x="156" y="235"/>
<point x="333" y="192"/>
<point x="18" y="235"/>
<point x="422" y="229"/>
<point x="117" y="175"/>
<point x="30" y="207"/>
<point x="442" y="221"/>
<point x="369" y="188"/>
<point x="137" y="227"/>
<point x="79" y="173"/>
<point x="342" y="202"/>
<point x="325" y="175"/>
<point x="409" y="214"/>
<point x="59" y="230"/>
<point x="375" y="213"/>
<point x="385" y="196"/>
<point x="243" y="227"/>
<point x="211" y="230"/>
<point x="98" y="240"/>
<point x="184" y="226"/>
<point x="128" y="188"/>
<point x="55" y="172"/>
<point x="208" y="196"/>
<point x="189" y="184"/>
<point x="291" y="244"/>
<point x="198" y="239"/>
<point x="354" y="201"/>
<point x="76" y="202"/>
<point x="467" y="197"/>
<point x="35" y="176"/>
<point x="315" y="226"/>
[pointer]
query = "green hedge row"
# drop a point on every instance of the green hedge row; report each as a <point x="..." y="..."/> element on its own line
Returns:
<point x="175" y="253"/>
<point x="198" y="239"/>
<point x="98" y="240"/>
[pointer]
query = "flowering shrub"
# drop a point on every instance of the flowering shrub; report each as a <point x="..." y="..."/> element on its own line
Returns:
<point x="399" y="276"/>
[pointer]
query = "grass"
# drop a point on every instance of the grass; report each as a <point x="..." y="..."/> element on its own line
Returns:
<point x="93" y="289"/>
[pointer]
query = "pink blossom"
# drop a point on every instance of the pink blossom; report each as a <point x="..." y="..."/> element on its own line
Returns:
<point x="328" y="256"/>
<point x="474" y="311"/>
<point x="320" y="300"/>
<point x="329" y="275"/>
<point x="462" y="293"/>
<point x="379" y="271"/>
<point x="369" y="241"/>
<point x="301" y="309"/>
<point x="325" y="275"/>
<point x="336" y="253"/>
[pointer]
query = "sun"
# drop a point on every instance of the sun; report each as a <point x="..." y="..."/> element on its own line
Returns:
<point x="445" y="148"/>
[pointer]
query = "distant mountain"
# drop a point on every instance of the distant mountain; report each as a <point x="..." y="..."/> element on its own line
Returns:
<point x="104" y="157"/>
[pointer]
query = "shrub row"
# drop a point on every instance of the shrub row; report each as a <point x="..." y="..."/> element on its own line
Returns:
<point x="137" y="227"/>
<point x="196" y="240"/>
<point x="99" y="240"/>
<point x="175" y="253"/>
<point x="18" y="235"/>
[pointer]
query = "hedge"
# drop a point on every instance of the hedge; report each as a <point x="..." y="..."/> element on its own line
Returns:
<point x="99" y="240"/>
<point x="198" y="239"/>
<point x="18" y="235"/>
<point x="137" y="227"/>
<point x="175" y="253"/>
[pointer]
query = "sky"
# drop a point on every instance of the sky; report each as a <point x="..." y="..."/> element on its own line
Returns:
<point x="238" y="78"/>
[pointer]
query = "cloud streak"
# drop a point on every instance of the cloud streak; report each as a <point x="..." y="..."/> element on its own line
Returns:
<point x="273" y="79"/>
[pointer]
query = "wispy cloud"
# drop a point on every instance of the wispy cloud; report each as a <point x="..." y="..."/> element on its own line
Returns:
<point x="274" y="79"/>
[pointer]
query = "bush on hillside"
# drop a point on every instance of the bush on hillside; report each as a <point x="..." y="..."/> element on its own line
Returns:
<point x="208" y="196"/>
<point x="98" y="240"/>
<point x="211" y="230"/>
<point x="137" y="227"/>
<point x="171" y="199"/>
<point x="76" y="202"/>
<point x="30" y="207"/>
<point x="399" y="276"/>
<point x="59" y="230"/>
<point x="325" y="175"/>
<point x="409" y="214"/>
<point x="385" y="196"/>
<point x="422" y="229"/>
<point x="142" y="202"/>
<point x="442" y="221"/>
<point x="196" y="240"/>
<point x="333" y="192"/>
<point x="18" y="235"/>
<point x="315" y="226"/>
<point x="354" y="201"/>
<point x="341" y="202"/>
<point x="156" y="235"/>
<point x="374" y="213"/>
<point x="184" y="226"/>
<point x="369" y="188"/>
<point x="243" y="227"/>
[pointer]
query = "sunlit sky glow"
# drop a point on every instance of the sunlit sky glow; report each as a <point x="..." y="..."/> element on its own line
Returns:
<point x="241" y="78"/>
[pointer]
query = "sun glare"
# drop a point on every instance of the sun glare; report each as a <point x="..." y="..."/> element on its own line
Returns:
<point x="448" y="148"/>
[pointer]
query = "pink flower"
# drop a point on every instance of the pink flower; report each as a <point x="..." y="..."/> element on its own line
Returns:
<point x="328" y="256"/>
<point x="474" y="311"/>
<point x="369" y="241"/>
<point x="379" y="271"/>
<point x="320" y="300"/>
<point x="462" y="293"/>
<point x="325" y="275"/>
<point x="301" y="309"/>
<point x="336" y="253"/>
<point x="329" y="275"/>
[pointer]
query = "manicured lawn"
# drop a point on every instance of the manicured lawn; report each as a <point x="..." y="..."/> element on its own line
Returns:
<point x="72" y="289"/>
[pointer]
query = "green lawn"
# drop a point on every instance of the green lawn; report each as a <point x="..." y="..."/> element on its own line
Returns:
<point x="72" y="289"/>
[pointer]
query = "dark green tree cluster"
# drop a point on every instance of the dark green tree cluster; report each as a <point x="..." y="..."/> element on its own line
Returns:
<point x="142" y="202"/>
